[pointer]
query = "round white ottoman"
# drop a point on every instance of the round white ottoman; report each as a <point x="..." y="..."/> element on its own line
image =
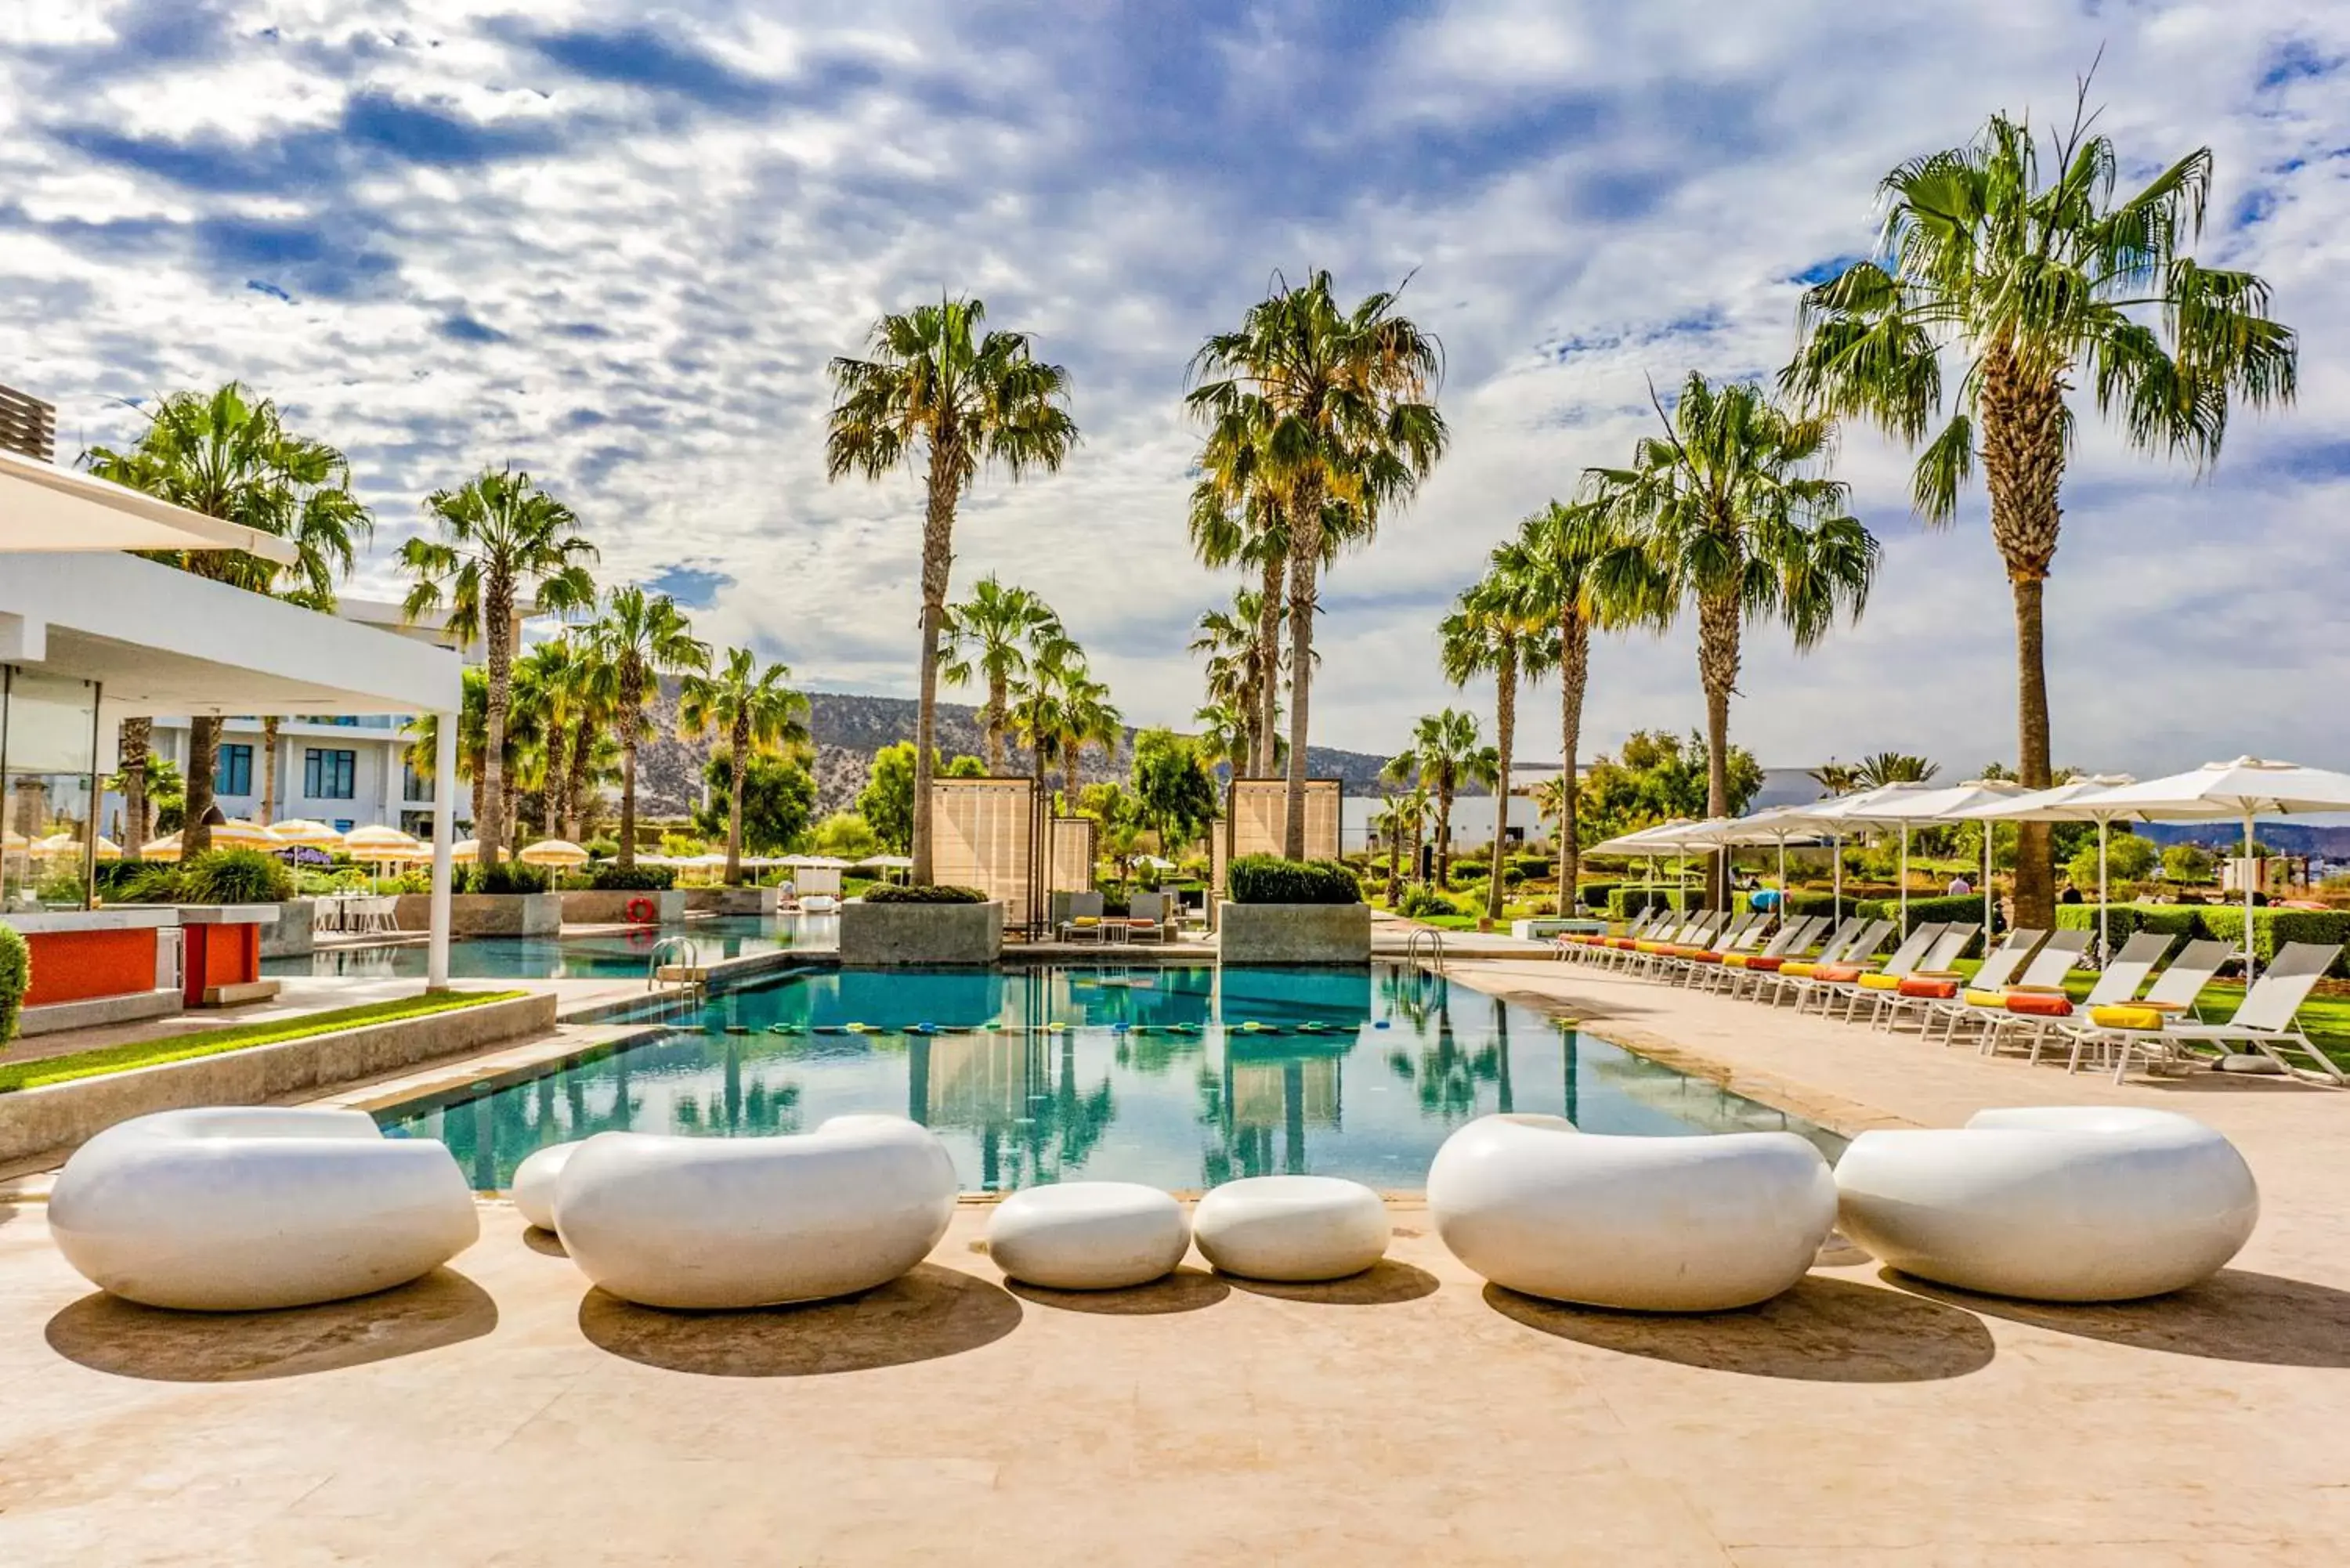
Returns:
<point x="535" y="1182"/>
<point x="2061" y="1203"/>
<point x="1649" y="1224"/>
<point x="1088" y="1235"/>
<point x="240" y="1208"/>
<point x="1292" y="1229"/>
<point x="704" y="1223"/>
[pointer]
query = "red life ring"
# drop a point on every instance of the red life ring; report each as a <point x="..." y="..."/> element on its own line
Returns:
<point x="644" y="911"/>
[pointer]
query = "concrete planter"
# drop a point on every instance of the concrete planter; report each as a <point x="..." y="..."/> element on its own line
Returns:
<point x="292" y="936"/>
<point x="488" y="914"/>
<point x="733" y="901"/>
<point x="1293" y="933"/>
<point x="612" y="909"/>
<point x="887" y="935"/>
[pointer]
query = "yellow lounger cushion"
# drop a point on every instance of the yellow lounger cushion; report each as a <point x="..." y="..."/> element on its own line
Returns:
<point x="2121" y="1015"/>
<point x="1986" y="999"/>
<point x="1880" y="982"/>
<point x="1738" y="960"/>
<point x="1800" y="970"/>
<point x="1086" y="920"/>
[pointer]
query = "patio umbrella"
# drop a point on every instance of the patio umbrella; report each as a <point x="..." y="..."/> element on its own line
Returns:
<point x="886" y="863"/>
<point x="368" y="843"/>
<point x="2075" y="802"/>
<point x="2241" y="789"/>
<point x="1671" y="837"/>
<point x="465" y="850"/>
<point x="307" y="833"/>
<point x="1782" y="826"/>
<point x="1916" y="807"/>
<point x="237" y="833"/>
<point x="59" y="844"/>
<point x="817" y="862"/>
<point x="552" y="851"/>
<point x="165" y="849"/>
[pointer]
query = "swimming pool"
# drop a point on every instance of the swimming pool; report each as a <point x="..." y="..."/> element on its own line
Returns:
<point x="1180" y="1077"/>
<point x="610" y="955"/>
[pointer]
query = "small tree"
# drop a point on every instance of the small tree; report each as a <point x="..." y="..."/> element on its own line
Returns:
<point x="1173" y="790"/>
<point x="2187" y="863"/>
<point x="778" y="801"/>
<point x="886" y="801"/>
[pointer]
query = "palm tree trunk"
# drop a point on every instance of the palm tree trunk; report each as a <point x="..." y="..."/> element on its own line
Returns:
<point x="497" y="616"/>
<point x="1505" y="733"/>
<point x="204" y="755"/>
<point x="1574" y="675"/>
<point x="2035" y="869"/>
<point x="1074" y="756"/>
<point x="1394" y="856"/>
<point x="1266" y="722"/>
<point x="938" y="565"/>
<point x="1304" y="559"/>
<point x="742" y="740"/>
<point x="1444" y="838"/>
<point x="268" y="770"/>
<point x="137" y="743"/>
<point x="994" y="720"/>
<point x="551" y="814"/>
<point x="1717" y="664"/>
<point x="2023" y="469"/>
<point x="575" y="794"/>
<point x="631" y="715"/>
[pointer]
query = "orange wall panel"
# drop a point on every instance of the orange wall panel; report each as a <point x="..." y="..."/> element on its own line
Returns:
<point x="74" y="966"/>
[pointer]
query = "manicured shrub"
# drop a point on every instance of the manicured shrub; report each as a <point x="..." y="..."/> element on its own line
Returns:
<point x="1940" y="910"/>
<point x="923" y="893"/>
<point x="234" y="877"/>
<point x="606" y="877"/>
<point x="602" y="849"/>
<point x="1537" y="867"/>
<point x="1630" y="900"/>
<point x="1421" y="902"/>
<point x="1595" y="894"/>
<point x="2272" y="928"/>
<point x="16" y="979"/>
<point x="505" y="877"/>
<point x="1270" y="879"/>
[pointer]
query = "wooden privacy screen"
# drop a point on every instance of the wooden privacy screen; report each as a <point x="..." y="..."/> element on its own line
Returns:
<point x="1255" y="811"/>
<point x="1070" y="867"/>
<point x="983" y="835"/>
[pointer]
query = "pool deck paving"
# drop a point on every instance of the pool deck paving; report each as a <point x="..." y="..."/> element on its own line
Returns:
<point x="503" y="1412"/>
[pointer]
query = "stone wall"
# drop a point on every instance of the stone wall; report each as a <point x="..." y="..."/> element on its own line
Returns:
<point x="591" y="909"/>
<point x="1293" y="933"/>
<point x="897" y="934"/>
<point x="488" y="914"/>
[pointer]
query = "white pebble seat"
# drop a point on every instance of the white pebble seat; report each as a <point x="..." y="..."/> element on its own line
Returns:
<point x="1292" y="1229"/>
<point x="1088" y="1235"/>
<point x="1647" y="1224"/>
<point x="535" y="1182"/>
<point x="244" y="1209"/>
<point x="714" y="1223"/>
<point x="2060" y="1203"/>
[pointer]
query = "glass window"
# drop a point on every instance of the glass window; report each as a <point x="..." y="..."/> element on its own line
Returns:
<point x="329" y="774"/>
<point x="413" y="785"/>
<point x="48" y="755"/>
<point x="232" y="770"/>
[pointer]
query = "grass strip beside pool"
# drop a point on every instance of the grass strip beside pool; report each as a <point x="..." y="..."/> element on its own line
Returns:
<point x="214" y="1041"/>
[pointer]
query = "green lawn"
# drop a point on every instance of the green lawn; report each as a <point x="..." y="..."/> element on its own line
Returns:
<point x="2325" y="1018"/>
<point x="212" y="1041"/>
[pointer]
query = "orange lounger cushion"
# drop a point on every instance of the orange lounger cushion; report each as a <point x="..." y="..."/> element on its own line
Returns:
<point x="1836" y="974"/>
<point x="1704" y="957"/>
<point x="1936" y="989"/>
<point x="1880" y="982"/>
<point x="1763" y="965"/>
<point x="2039" y="1005"/>
<point x="2122" y="1015"/>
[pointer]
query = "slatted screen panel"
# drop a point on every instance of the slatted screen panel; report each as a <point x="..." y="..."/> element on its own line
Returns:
<point x="1070" y="868"/>
<point x="1257" y="811"/>
<point x="983" y="835"/>
<point x="28" y="425"/>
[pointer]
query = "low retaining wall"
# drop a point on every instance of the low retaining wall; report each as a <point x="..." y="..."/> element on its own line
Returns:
<point x="899" y="935"/>
<point x="612" y="909"/>
<point x="1293" y="933"/>
<point x="488" y="914"/>
<point x="733" y="901"/>
<point x="292" y="936"/>
<point x="56" y="1119"/>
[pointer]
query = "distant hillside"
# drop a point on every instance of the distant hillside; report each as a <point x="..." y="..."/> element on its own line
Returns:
<point x="2284" y="837"/>
<point x="850" y="728"/>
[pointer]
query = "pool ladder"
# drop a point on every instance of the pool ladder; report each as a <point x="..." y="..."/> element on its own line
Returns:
<point x="1435" y="948"/>
<point x="683" y="953"/>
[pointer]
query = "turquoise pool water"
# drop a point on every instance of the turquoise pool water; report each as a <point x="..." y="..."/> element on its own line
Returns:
<point x="1180" y="1077"/>
<point x="615" y="955"/>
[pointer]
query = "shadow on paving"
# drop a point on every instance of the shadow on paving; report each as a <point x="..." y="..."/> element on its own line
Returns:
<point x="108" y="1333"/>
<point x="1185" y="1290"/>
<point x="545" y="1242"/>
<point x="1822" y="1331"/>
<point x="1382" y="1285"/>
<point x="921" y="1317"/>
<point x="2234" y="1316"/>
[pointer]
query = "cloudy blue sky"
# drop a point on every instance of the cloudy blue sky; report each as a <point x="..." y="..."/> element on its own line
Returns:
<point x="616" y="245"/>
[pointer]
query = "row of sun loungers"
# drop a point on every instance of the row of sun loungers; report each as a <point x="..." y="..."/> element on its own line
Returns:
<point x="2016" y="998"/>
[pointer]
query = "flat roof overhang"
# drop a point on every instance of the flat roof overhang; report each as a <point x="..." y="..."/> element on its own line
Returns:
<point x="50" y="509"/>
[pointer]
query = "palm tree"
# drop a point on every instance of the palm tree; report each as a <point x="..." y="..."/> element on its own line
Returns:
<point x="936" y="380"/>
<point x="1574" y="559"/>
<point x="1500" y="627"/>
<point x="1444" y="755"/>
<point x="992" y="634"/>
<point x="1227" y="736"/>
<point x="550" y="673"/>
<point x="1244" y="651"/>
<point x="1727" y="512"/>
<point x="1337" y="406"/>
<point x="1834" y="778"/>
<point x="1237" y="518"/>
<point x="227" y="456"/>
<point x="1089" y="719"/>
<point x="639" y="639"/>
<point x="502" y="537"/>
<point x="760" y="714"/>
<point x="1891" y="768"/>
<point x="2035" y="288"/>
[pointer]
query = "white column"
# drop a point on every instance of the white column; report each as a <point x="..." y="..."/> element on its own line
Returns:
<point x="444" y="821"/>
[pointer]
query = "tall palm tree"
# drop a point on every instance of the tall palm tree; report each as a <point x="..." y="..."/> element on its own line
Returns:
<point x="1726" y="507"/>
<point x="135" y="747"/>
<point x="1237" y="518"/>
<point x="226" y="455"/>
<point x="1404" y="815"/>
<point x="501" y="538"/>
<point x="761" y="715"/>
<point x="1445" y="754"/>
<point x="2035" y="288"/>
<point x="991" y="634"/>
<point x="1500" y="627"/>
<point x="550" y="672"/>
<point x="1090" y="719"/>
<point x="639" y="639"/>
<point x="1834" y="778"/>
<point x="1337" y="404"/>
<point x="1884" y="768"/>
<point x="1244" y="652"/>
<point x="1573" y="558"/>
<point x="1226" y="735"/>
<point x="938" y="381"/>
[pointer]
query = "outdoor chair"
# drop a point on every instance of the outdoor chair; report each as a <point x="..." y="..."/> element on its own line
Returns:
<point x="1932" y="980"/>
<point x="2037" y="996"/>
<point x="1998" y="967"/>
<point x="2117" y="983"/>
<point x="1856" y="939"/>
<point x="1148" y="918"/>
<point x="1755" y="975"/>
<point x="2263" y="1020"/>
<point x="1734" y="967"/>
<point x="1084" y="921"/>
<point x="2172" y="995"/>
<point x="1886" y="977"/>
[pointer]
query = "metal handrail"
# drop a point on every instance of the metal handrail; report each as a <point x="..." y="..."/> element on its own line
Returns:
<point x="672" y="948"/>
<point x="1435" y="943"/>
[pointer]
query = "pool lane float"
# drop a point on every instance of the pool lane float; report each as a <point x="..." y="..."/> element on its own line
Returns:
<point x="1379" y="1023"/>
<point x="787" y="1028"/>
<point x="738" y="1029"/>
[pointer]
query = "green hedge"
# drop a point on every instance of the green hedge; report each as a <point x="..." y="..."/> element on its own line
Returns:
<point x="607" y="877"/>
<point x="16" y="979"/>
<point x="1270" y="879"/>
<point x="1595" y="895"/>
<point x="505" y="877"/>
<point x="2272" y="928"/>
<point x="1420" y="901"/>
<point x="1630" y="901"/>
<point x="235" y="876"/>
<point x="1942" y="909"/>
<point x="923" y="893"/>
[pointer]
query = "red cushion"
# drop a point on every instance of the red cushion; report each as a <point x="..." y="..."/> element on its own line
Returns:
<point x="1703" y="958"/>
<point x="1626" y="943"/>
<point x="1765" y="965"/>
<point x="2039" y="1005"/>
<point x="1939" y="990"/>
<point x="1841" y="972"/>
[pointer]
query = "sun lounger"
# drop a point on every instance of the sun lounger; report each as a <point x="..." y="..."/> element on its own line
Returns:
<point x="1886" y="977"/>
<point x="1734" y="967"/>
<point x="2263" y="1020"/>
<point x="1932" y="980"/>
<point x="1999" y="967"/>
<point x="1794" y="979"/>
<point x="2096" y="1029"/>
<point x="2117" y="983"/>
<point x="2035" y="998"/>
